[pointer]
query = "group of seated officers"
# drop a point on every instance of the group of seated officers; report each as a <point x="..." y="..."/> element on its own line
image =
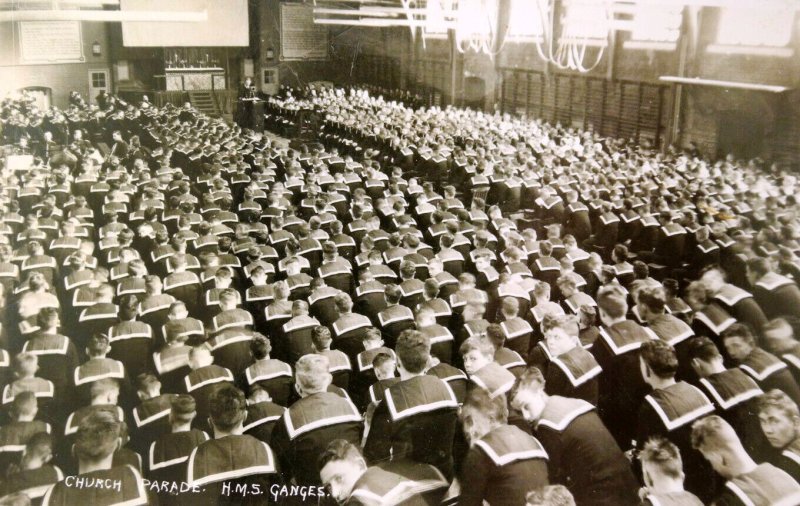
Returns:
<point x="427" y="306"/>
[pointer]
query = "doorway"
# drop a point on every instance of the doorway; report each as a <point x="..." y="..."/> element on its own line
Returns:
<point x="98" y="81"/>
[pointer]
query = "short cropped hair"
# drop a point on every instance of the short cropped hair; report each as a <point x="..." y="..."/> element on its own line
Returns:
<point x="550" y="495"/>
<point x="312" y="373"/>
<point x="531" y="378"/>
<point x="779" y="400"/>
<point x="663" y="454"/>
<point x="337" y="450"/>
<point x="712" y="433"/>
<point x="612" y="302"/>
<point x="482" y="346"/>
<point x="98" y="436"/>
<point x="660" y="357"/>
<point x="741" y="330"/>
<point x="260" y="346"/>
<point x="478" y="399"/>
<point x="227" y="407"/>
<point x="653" y="298"/>
<point x="413" y="350"/>
<point x="702" y="348"/>
<point x="320" y="336"/>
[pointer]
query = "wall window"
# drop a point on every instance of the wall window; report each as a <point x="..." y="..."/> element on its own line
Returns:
<point x="763" y="26"/>
<point x="435" y="24"/>
<point x="525" y="20"/>
<point x="586" y="22"/>
<point x="657" y="23"/>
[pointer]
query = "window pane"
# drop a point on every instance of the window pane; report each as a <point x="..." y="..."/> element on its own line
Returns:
<point x="525" y="20"/>
<point x="585" y="20"/>
<point x="755" y="26"/>
<point x="435" y="23"/>
<point x="661" y="23"/>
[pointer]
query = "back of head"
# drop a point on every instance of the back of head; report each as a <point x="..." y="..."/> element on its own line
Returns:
<point x="321" y="337"/>
<point x="661" y="456"/>
<point x="227" y="407"/>
<point x="312" y="374"/>
<point x="98" y="436"/>
<point x="413" y="351"/>
<point x="478" y="400"/>
<point x="550" y="495"/>
<point x="660" y="358"/>
<point x="612" y="302"/>
<point x="713" y="435"/>
<point x="183" y="409"/>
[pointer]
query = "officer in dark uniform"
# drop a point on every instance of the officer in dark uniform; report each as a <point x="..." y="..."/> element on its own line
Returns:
<point x="669" y="410"/>
<point x="312" y="422"/>
<point x="747" y="482"/>
<point x="344" y="472"/>
<point x="417" y="420"/>
<point x="503" y="462"/>
<point x="232" y="468"/>
<point x="582" y="454"/>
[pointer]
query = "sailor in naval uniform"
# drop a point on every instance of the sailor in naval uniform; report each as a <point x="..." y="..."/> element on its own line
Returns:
<point x="313" y="421"/>
<point x="734" y="393"/>
<point x="779" y="419"/>
<point x="748" y="483"/>
<point x="232" y="468"/>
<point x="651" y="306"/>
<point x="776" y="294"/>
<point x="344" y="473"/>
<point x="571" y="370"/>
<point x="663" y="475"/>
<point x="201" y="382"/>
<point x="168" y="455"/>
<point x="503" y="462"/>
<point x="669" y="410"/>
<point x="417" y="420"/>
<point x="98" y="437"/>
<point x="484" y="372"/>
<point x="768" y="370"/>
<point x="35" y="474"/>
<point x="617" y="352"/>
<point x="582" y="454"/>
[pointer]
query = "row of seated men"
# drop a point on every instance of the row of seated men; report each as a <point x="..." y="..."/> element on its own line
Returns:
<point x="490" y="313"/>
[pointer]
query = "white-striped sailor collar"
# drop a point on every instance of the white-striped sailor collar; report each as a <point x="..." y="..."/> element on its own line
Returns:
<point x="512" y="456"/>
<point x="253" y="375"/>
<point x="190" y="387"/>
<point x="705" y="408"/>
<point x="582" y="407"/>
<point x="423" y="408"/>
<point x="353" y="416"/>
<point x="118" y="373"/>
<point x="267" y="468"/>
<point x="579" y="380"/>
<point x="734" y="400"/>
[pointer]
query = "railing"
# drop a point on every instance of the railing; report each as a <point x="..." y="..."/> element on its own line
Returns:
<point x="176" y="98"/>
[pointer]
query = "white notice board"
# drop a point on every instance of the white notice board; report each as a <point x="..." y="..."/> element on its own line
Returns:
<point x="50" y="41"/>
<point x="301" y="38"/>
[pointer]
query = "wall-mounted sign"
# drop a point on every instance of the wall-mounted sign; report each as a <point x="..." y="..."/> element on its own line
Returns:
<point x="50" y="42"/>
<point x="301" y="38"/>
